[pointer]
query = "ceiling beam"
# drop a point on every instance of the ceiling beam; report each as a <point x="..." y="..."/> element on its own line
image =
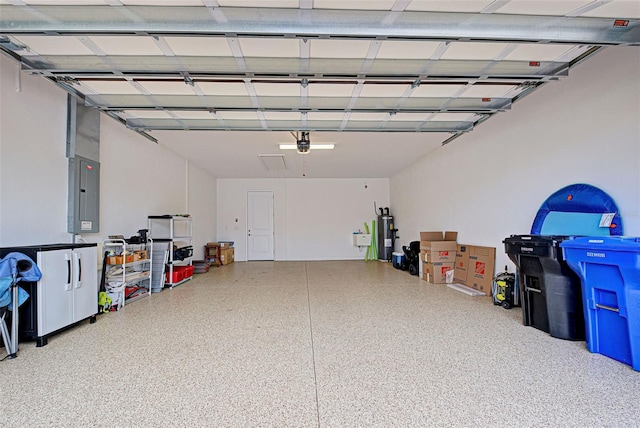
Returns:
<point x="294" y="104"/>
<point x="171" y="124"/>
<point x="316" y="23"/>
<point x="274" y="68"/>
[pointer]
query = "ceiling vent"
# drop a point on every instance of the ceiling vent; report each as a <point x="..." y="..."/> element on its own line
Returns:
<point x="273" y="162"/>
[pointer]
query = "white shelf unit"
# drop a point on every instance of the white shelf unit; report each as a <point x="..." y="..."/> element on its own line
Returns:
<point x="132" y="278"/>
<point x="173" y="229"/>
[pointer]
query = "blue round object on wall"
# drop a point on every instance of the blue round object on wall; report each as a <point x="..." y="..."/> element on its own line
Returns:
<point x="578" y="210"/>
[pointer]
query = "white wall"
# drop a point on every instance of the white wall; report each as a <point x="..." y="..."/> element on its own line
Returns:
<point x="201" y="204"/>
<point x="322" y="215"/>
<point x="33" y="166"/>
<point x="490" y="183"/>
<point x="313" y="218"/>
<point x="138" y="177"/>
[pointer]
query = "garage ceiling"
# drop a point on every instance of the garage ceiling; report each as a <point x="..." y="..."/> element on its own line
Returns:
<point x="351" y="72"/>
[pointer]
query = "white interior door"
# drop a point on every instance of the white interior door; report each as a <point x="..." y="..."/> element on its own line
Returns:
<point x="260" y="225"/>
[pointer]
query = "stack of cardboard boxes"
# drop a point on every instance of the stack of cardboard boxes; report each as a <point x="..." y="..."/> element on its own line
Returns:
<point x="437" y="255"/>
<point x="226" y="253"/>
<point x="473" y="265"/>
<point x="219" y="253"/>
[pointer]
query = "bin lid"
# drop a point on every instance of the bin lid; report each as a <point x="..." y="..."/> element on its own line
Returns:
<point x="611" y="243"/>
<point x="537" y="240"/>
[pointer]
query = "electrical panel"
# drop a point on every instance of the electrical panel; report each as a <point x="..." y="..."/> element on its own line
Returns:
<point x="84" y="196"/>
<point x="83" y="151"/>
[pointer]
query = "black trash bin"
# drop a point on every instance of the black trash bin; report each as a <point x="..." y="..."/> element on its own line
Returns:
<point x="550" y="291"/>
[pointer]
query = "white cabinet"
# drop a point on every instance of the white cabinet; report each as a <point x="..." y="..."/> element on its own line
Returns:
<point x="62" y="291"/>
<point x="68" y="290"/>
<point x="174" y="233"/>
<point x="128" y="270"/>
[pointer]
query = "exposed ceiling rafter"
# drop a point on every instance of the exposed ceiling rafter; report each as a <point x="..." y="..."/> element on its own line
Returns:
<point x="315" y="23"/>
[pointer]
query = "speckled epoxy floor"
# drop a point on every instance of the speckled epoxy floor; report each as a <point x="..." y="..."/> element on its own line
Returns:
<point x="329" y="344"/>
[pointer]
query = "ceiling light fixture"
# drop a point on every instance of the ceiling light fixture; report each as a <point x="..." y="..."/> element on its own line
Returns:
<point x="303" y="144"/>
<point x="313" y="146"/>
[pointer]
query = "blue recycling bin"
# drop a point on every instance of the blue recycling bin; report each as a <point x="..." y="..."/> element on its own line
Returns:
<point x="609" y="270"/>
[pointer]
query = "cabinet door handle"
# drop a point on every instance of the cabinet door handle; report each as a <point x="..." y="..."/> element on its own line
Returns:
<point x="68" y="286"/>
<point x="79" y="267"/>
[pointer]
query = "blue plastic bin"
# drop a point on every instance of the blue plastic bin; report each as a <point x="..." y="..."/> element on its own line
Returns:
<point x="397" y="260"/>
<point x="609" y="270"/>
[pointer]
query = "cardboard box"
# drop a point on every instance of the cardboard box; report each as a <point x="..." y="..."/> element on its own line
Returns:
<point x="117" y="260"/>
<point x="140" y="255"/>
<point x="438" y="247"/>
<point x="226" y="256"/>
<point x="481" y="268"/>
<point x="436" y="273"/>
<point x="462" y="264"/>
<point x="221" y="244"/>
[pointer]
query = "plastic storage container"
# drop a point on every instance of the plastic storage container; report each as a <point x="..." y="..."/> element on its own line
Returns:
<point x="609" y="269"/>
<point x="551" y="295"/>
<point x="185" y="271"/>
<point x="397" y="259"/>
<point x="176" y="276"/>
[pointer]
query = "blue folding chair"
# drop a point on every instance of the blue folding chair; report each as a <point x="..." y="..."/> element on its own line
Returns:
<point x="14" y="267"/>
